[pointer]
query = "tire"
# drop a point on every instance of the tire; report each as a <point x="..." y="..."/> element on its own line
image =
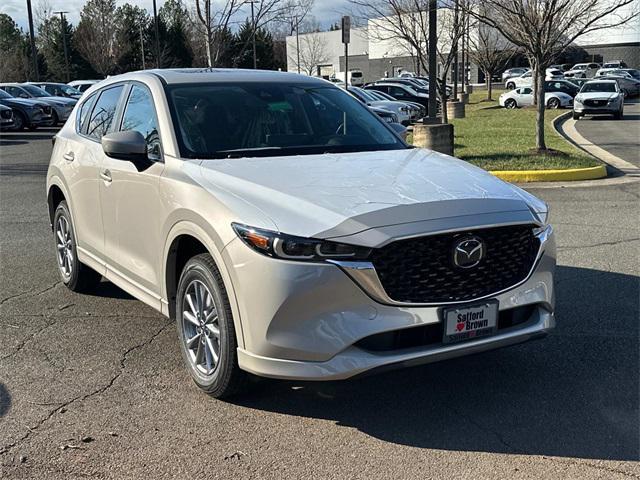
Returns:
<point x="202" y="308"/>
<point x="55" y="118"/>
<point x="576" y="116"/>
<point x="553" y="103"/>
<point x="511" y="85"/>
<point x="75" y="275"/>
<point x="19" y="120"/>
<point x="510" y="103"/>
<point x="619" y="115"/>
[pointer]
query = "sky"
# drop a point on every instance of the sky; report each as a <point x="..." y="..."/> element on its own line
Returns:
<point x="325" y="11"/>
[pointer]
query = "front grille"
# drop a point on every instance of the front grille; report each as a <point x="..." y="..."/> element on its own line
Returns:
<point x="6" y="114"/>
<point x="421" y="270"/>
<point x="595" y="103"/>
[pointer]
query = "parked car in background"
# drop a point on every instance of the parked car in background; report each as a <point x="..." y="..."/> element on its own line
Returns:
<point x="514" y="72"/>
<point x="633" y="72"/>
<point x="523" y="97"/>
<point x="405" y="113"/>
<point x="526" y="79"/>
<point x="564" y="67"/>
<point x="578" y="81"/>
<point x="59" y="89"/>
<point x="629" y="85"/>
<point x="378" y="95"/>
<point x="614" y="64"/>
<point x="599" y="97"/>
<point x="564" y="86"/>
<point x="83" y="85"/>
<point x="300" y="238"/>
<point x="583" y="70"/>
<point x="401" y="92"/>
<point x="6" y="117"/>
<point x="27" y="113"/>
<point x="61" y="107"/>
<point x="603" y="72"/>
<point x="355" y="77"/>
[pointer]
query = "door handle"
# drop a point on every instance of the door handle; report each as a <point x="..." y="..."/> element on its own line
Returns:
<point x="106" y="176"/>
<point x="69" y="156"/>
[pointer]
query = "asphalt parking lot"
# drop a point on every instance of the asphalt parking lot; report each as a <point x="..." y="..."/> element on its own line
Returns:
<point x="619" y="137"/>
<point x="92" y="386"/>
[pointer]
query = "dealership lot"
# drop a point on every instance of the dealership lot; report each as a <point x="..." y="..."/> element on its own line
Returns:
<point x="94" y="386"/>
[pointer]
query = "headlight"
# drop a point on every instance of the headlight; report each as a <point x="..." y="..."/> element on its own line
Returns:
<point x="404" y="109"/>
<point x="288" y="247"/>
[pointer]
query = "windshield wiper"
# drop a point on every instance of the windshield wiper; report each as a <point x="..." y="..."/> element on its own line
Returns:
<point x="232" y="153"/>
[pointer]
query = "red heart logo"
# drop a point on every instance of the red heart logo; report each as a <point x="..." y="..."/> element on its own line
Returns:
<point x="460" y="326"/>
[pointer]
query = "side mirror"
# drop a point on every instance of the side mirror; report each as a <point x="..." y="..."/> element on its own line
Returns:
<point x="399" y="129"/>
<point x="129" y="146"/>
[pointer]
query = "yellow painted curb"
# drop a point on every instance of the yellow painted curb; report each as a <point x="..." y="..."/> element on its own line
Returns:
<point x="570" y="174"/>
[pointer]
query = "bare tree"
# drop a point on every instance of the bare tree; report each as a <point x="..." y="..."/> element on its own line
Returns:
<point x="490" y="51"/>
<point x="544" y="29"/>
<point x="405" y="23"/>
<point x="213" y="23"/>
<point x="313" y="52"/>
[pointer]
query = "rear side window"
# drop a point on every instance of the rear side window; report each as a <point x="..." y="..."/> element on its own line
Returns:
<point x="85" y="108"/>
<point x="103" y="112"/>
<point x="140" y="116"/>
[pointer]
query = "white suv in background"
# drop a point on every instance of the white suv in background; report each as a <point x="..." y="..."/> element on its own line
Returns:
<point x="582" y="70"/>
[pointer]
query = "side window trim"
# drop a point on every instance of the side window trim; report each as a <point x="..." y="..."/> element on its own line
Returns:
<point x="122" y="108"/>
<point x="89" y="102"/>
<point x="98" y="94"/>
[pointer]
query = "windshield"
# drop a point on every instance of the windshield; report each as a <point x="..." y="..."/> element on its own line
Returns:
<point x="365" y="94"/>
<point x="35" y="91"/>
<point x="599" y="87"/>
<point x="4" y="94"/>
<point x="634" y="73"/>
<point x="223" y="120"/>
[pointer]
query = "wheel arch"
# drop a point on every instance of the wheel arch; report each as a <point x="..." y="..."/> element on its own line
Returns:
<point x="56" y="192"/>
<point x="185" y="240"/>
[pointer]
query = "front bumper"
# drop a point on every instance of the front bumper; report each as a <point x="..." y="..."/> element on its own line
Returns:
<point x="303" y="320"/>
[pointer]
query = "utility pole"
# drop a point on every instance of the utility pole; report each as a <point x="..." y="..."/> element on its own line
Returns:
<point x="433" y="65"/>
<point x="298" y="42"/>
<point x="142" y="47"/>
<point x="253" y="35"/>
<point x="34" y="55"/>
<point x="63" y="27"/>
<point x="456" y="20"/>
<point x="155" y="22"/>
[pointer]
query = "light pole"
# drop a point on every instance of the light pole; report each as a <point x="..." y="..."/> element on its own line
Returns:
<point x="33" y="42"/>
<point x="63" y="27"/>
<point x="253" y="35"/>
<point x="142" y="47"/>
<point x="433" y="77"/>
<point x="155" y="23"/>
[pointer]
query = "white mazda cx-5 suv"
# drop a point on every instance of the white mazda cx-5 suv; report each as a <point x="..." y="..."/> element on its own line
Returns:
<point x="289" y="231"/>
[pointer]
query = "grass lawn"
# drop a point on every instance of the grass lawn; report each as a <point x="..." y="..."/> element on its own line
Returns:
<point x="495" y="138"/>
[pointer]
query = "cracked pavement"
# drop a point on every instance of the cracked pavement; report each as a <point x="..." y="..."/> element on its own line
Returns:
<point x="106" y="367"/>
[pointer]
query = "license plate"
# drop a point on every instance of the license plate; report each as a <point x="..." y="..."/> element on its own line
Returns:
<point x="466" y="323"/>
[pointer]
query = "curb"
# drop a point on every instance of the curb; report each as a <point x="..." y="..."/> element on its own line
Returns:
<point x="566" y="175"/>
<point x="569" y="132"/>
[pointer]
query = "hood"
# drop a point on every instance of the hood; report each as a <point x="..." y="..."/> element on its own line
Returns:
<point x="386" y="104"/>
<point x="55" y="101"/>
<point x="24" y="102"/>
<point x="597" y="95"/>
<point x="313" y="195"/>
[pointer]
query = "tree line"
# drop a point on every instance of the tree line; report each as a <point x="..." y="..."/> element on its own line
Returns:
<point x="111" y="39"/>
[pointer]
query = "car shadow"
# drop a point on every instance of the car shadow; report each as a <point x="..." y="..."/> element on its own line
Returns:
<point x="107" y="289"/>
<point x="572" y="394"/>
<point x="5" y="400"/>
<point x="600" y="118"/>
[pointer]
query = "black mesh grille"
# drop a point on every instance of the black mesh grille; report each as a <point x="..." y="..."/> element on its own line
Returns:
<point x="595" y="103"/>
<point x="421" y="270"/>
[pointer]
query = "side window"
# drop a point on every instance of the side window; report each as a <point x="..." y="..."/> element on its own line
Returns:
<point x="81" y="117"/>
<point x="140" y="115"/>
<point x="397" y="92"/>
<point x="103" y="112"/>
<point x="527" y="91"/>
<point x="15" y="91"/>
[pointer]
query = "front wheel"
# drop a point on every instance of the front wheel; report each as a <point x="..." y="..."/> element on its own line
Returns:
<point x="618" y="115"/>
<point x="19" y="121"/>
<point x="511" y="103"/>
<point x="74" y="274"/>
<point x="511" y="86"/>
<point x="205" y="329"/>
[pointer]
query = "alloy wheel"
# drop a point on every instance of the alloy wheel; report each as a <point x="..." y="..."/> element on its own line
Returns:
<point x="201" y="327"/>
<point x="64" y="247"/>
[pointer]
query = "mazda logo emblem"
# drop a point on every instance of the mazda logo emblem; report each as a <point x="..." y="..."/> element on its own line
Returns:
<point x="468" y="252"/>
